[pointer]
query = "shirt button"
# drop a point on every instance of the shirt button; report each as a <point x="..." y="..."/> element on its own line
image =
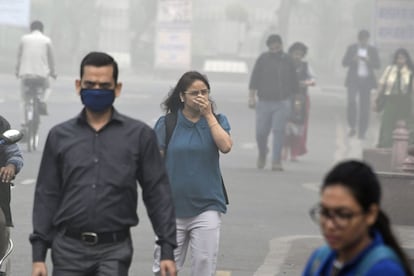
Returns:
<point x="93" y="186"/>
<point x="96" y="160"/>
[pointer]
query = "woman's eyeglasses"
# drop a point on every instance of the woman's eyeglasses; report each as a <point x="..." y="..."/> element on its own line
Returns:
<point x="340" y="217"/>
<point x="195" y="93"/>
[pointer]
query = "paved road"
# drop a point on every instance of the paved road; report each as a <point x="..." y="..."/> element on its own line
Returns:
<point x="267" y="230"/>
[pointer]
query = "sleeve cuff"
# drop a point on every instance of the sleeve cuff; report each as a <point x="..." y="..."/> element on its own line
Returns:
<point x="167" y="252"/>
<point x="39" y="251"/>
<point x="16" y="163"/>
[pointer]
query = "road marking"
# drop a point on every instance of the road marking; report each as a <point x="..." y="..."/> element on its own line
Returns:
<point x="279" y="249"/>
<point x="223" y="273"/>
<point x="311" y="186"/>
<point x="28" y="181"/>
<point x="248" y="145"/>
<point x="340" y="141"/>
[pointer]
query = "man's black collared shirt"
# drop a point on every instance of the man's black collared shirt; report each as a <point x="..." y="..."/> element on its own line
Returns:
<point x="88" y="181"/>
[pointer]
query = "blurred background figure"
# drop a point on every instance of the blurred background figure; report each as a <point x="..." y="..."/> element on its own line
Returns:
<point x="274" y="82"/>
<point x="358" y="233"/>
<point x="397" y="89"/>
<point x="297" y="127"/>
<point x="361" y="59"/>
<point x="35" y="61"/>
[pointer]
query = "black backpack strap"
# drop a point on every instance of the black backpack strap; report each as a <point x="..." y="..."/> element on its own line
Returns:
<point x="170" y="123"/>
<point x="226" y="198"/>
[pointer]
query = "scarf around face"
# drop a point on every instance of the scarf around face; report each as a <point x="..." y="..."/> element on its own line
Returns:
<point x="390" y="77"/>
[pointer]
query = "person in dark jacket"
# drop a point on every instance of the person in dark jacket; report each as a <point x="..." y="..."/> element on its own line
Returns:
<point x="361" y="59"/>
<point x="357" y="231"/>
<point x="272" y="85"/>
<point x="11" y="162"/>
<point x="86" y="193"/>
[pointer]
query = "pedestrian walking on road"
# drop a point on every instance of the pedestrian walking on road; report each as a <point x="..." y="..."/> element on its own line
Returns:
<point x="297" y="127"/>
<point x="358" y="233"/>
<point x="86" y="192"/>
<point x="191" y="137"/>
<point x="396" y="88"/>
<point x="361" y="59"/>
<point x="273" y="84"/>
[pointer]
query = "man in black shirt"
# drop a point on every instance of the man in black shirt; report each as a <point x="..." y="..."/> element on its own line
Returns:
<point x="361" y="59"/>
<point x="86" y="192"/>
<point x="273" y="82"/>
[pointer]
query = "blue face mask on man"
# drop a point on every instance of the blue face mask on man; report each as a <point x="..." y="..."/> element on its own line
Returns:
<point x="97" y="100"/>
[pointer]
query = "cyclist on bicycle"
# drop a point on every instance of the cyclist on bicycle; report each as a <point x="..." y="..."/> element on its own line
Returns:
<point x="35" y="61"/>
<point x="11" y="161"/>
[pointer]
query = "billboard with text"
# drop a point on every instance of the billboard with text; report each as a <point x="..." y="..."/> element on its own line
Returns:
<point x="15" y="12"/>
<point x="394" y="23"/>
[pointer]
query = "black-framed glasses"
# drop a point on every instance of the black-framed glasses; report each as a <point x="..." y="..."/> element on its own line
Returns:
<point x="340" y="216"/>
<point x="195" y="93"/>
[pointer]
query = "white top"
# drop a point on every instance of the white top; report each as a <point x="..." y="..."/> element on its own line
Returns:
<point x="35" y="56"/>
<point x="362" y="66"/>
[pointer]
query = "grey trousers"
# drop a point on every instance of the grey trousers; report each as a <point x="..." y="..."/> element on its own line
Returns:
<point x="71" y="257"/>
<point x="200" y="233"/>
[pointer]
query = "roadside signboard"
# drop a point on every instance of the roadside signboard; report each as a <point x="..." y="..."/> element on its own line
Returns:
<point x="173" y="34"/>
<point x="394" y="24"/>
<point x="15" y="12"/>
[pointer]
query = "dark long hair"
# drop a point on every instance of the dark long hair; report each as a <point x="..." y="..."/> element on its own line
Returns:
<point x="364" y="185"/>
<point x="406" y="54"/>
<point x="173" y="102"/>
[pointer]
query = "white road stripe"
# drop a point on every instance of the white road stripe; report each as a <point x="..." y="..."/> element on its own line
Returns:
<point x="28" y="181"/>
<point x="311" y="186"/>
<point x="223" y="273"/>
<point x="248" y="145"/>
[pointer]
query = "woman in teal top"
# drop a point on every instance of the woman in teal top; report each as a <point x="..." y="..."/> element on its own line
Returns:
<point x="192" y="161"/>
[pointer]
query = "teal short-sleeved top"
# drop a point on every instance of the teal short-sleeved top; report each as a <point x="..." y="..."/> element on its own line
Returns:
<point x="192" y="162"/>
